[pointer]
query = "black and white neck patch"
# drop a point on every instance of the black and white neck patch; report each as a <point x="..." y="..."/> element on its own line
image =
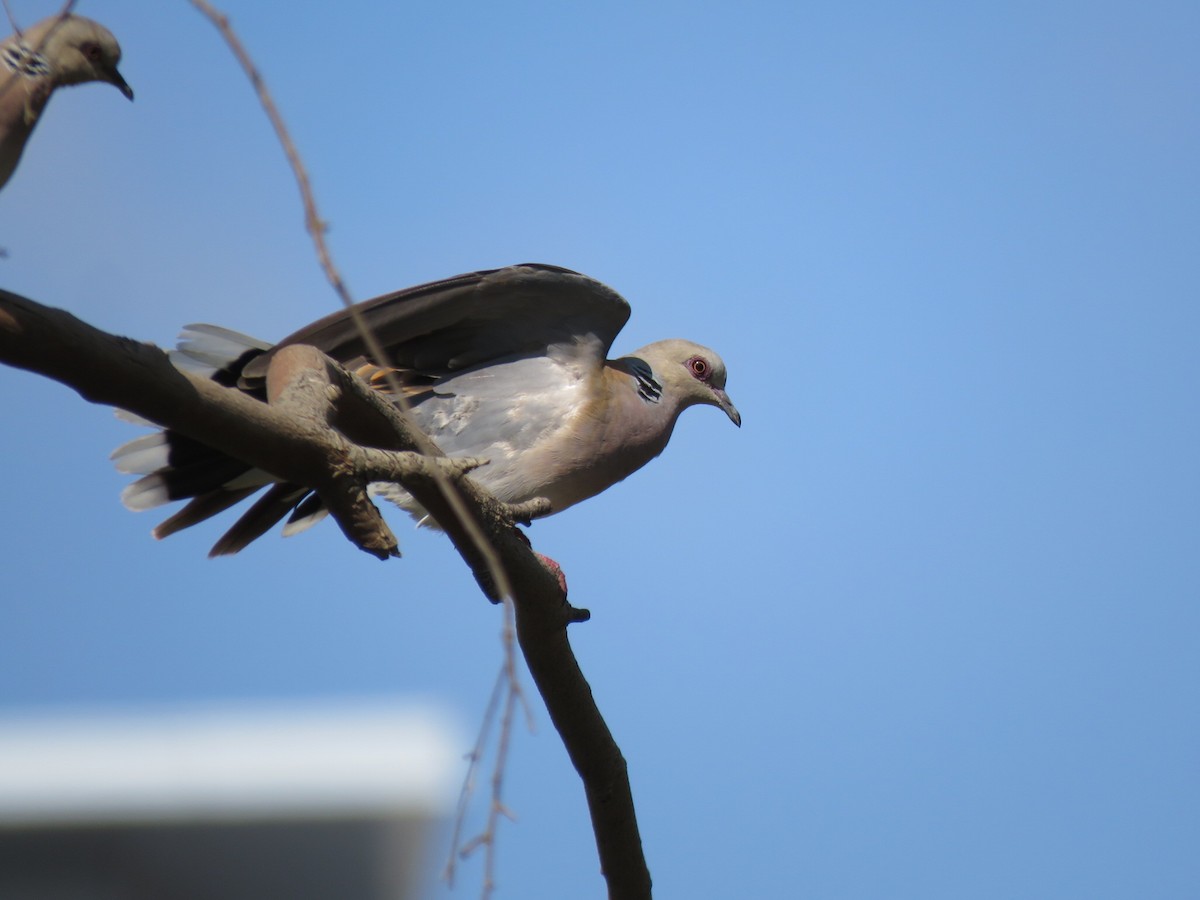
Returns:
<point x="648" y="387"/>
<point x="24" y="60"/>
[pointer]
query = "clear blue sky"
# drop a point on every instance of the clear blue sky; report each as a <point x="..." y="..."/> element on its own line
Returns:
<point x="927" y="626"/>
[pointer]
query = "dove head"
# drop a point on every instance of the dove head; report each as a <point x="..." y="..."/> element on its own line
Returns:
<point x="690" y="374"/>
<point x="78" y="50"/>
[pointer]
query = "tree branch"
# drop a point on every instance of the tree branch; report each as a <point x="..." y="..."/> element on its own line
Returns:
<point x="325" y="429"/>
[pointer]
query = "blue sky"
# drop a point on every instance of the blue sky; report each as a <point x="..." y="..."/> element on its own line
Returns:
<point x="927" y="626"/>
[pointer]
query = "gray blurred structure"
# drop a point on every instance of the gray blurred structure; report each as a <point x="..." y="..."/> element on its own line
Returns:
<point x="232" y="803"/>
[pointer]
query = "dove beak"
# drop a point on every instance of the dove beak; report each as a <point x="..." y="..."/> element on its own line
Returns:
<point x="113" y="77"/>
<point x="726" y="404"/>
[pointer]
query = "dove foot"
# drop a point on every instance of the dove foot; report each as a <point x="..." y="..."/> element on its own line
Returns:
<point x="555" y="570"/>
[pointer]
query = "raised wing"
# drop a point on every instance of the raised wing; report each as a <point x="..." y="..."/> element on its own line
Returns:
<point x="432" y="332"/>
<point x="479" y="318"/>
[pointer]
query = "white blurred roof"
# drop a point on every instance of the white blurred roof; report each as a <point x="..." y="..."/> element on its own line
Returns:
<point x="348" y="759"/>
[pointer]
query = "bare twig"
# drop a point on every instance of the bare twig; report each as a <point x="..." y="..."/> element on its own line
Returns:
<point x="497" y="807"/>
<point x="474" y="758"/>
<point x="12" y="20"/>
<point x="312" y="220"/>
<point x="316" y="227"/>
<point x="507" y="686"/>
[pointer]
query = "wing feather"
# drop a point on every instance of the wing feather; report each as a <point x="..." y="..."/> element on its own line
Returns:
<point x="474" y="319"/>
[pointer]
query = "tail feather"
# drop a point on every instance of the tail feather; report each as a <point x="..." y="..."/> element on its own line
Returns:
<point x="260" y="518"/>
<point x="215" y="352"/>
<point x="307" y="513"/>
<point x="176" y="467"/>
<point x="133" y="419"/>
<point x="142" y="455"/>
<point x="184" y="482"/>
<point x="146" y="493"/>
<point x="203" y="507"/>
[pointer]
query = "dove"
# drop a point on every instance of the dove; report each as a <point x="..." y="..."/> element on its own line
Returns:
<point x="56" y="52"/>
<point x="509" y="365"/>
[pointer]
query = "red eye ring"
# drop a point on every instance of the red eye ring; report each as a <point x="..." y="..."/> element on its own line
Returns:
<point x="699" y="367"/>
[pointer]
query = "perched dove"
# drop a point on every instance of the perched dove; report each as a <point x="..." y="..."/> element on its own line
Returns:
<point x="56" y="52"/>
<point x="506" y="364"/>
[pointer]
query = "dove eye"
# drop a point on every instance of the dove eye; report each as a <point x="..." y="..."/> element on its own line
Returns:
<point x="699" y="367"/>
<point x="91" y="51"/>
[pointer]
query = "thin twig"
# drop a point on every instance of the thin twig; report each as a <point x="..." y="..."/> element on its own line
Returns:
<point x="513" y="695"/>
<point x="12" y="20"/>
<point x="497" y="807"/>
<point x="475" y="757"/>
<point x="316" y="228"/>
<point x="508" y="684"/>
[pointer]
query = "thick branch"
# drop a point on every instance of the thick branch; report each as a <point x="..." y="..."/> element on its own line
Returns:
<point x="313" y="434"/>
